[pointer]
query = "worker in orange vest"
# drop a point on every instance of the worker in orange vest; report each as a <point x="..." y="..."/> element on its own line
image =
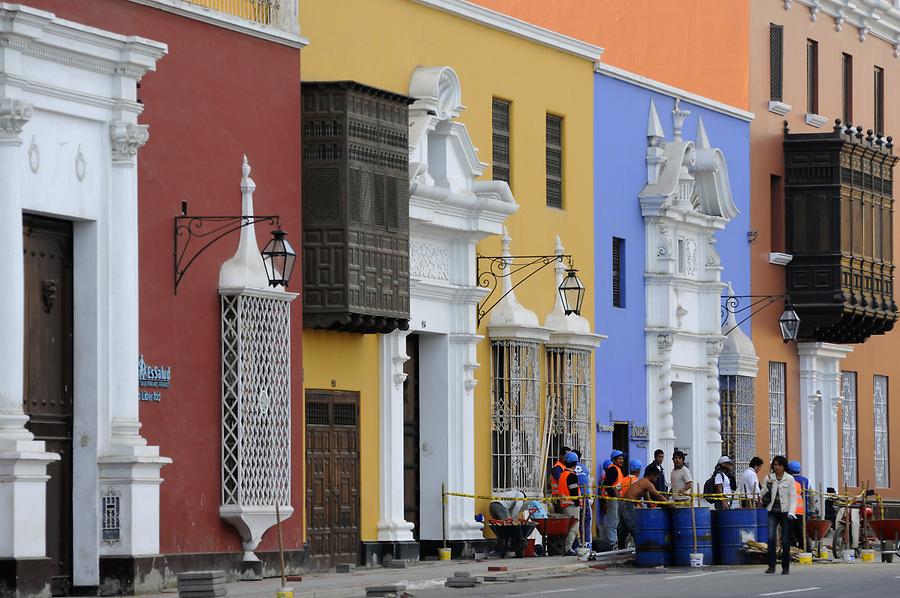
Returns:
<point x="557" y="470"/>
<point x="626" y="511"/>
<point x="569" y="503"/>
<point x="801" y="484"/>
<point x="612" y="485"/>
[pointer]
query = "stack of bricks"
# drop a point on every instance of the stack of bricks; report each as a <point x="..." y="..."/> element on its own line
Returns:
<point x="202" y="584"/>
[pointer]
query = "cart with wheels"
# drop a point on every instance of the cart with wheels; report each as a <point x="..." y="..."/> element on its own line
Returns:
<point x="511" y="536"/>
<point x="888" y="532"/>
<point x="554" y="530"/>
<point x="816" y="530"/>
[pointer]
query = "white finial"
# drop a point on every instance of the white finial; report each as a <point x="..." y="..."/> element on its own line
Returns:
<point x="245" y="268"/>
<point x="560" y="270"/>
<point x="247" y="183"/>
<point x="654" y="128"/>
<point x="702" y="138"/>
<point x="504" y="246"/>
<point x="678" y="116"/>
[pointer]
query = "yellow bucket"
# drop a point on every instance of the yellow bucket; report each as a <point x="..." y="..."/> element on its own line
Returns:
<point x="805" y="558"/>
<point x="824" y="554"/>
<point x="443" y="554"/>
<point x="285" y="593"/>
<point x="868" y="556"/>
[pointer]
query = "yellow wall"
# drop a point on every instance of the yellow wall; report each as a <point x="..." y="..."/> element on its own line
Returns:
<point x="380" y="44"/>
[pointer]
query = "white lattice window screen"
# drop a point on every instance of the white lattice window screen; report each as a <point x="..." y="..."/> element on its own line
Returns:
<point x="777" y="404"/>
<point x="256" y="401"/>
<point x="882" y="464"/>
<point x="736" y="395"/>
<point x="848" y="429"/>
<point x="515" y="384"/>
<point x="569" y="401"/>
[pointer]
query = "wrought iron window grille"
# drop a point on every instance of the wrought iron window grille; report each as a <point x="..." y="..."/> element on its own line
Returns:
<point x="499" y="267"/>
<point x="188" y="228"/>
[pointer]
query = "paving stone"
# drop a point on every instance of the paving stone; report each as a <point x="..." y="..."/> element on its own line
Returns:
<point x="201" y="583"/>
<point x="386" y="590"/>
<point x="462" y="583"/>
<point x="498" y="568"/>
<point x="345" y="568"/>
<point x="498" y="578"/>
<point x="202" y="593"/>
<point x="211" y="575"/>
<point x="396" y="564"/>
<point x="461" y="574"/>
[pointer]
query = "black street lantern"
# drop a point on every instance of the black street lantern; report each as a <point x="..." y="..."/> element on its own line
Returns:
<point x="789" y="322"/>
<point x="278" y="258"/>
<point x="571" y="291"/>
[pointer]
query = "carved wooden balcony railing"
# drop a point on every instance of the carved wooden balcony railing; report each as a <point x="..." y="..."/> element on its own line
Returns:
<point x="281" y="14"/>
<point x="839" y="202"/>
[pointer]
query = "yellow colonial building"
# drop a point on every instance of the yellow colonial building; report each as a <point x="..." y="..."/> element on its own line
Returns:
<point x="489" y="121"/>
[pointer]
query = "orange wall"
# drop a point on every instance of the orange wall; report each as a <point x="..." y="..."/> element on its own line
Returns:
<point x="878" y="354"/>
<point x="697" y="45"/>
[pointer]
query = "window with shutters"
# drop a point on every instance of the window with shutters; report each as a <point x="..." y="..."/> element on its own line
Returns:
<point x="879" y="100"/>
<point x="776" y="61"/>
<point x="848" y="429"/>
<point x="776" y="220"/>
<point x="618" y="268"/>
<point x="515" y="434"/>
<point x="882" y="462"/>
<point x="736" y="394"/>
<point x="847" y="88"/>
<point x="554" y="161"/>
<point x="777" y="404"/>
<point x="500" y="140"/>
<point x="812" y="76"/>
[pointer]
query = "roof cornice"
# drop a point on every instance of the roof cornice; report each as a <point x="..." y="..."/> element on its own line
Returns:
<point x="501" y="22"/>
<point x="675" y="92"/>
<point x="880" y="18"/>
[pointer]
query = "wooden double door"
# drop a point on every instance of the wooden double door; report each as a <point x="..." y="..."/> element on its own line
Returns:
<point x="48" y="397"/>
<point x="332" y="477"/>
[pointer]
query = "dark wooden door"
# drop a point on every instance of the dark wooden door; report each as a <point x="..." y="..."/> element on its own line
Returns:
<point x="332" y="477"/>
<point x="411" y="434"/>
<point x="48" y="376"/>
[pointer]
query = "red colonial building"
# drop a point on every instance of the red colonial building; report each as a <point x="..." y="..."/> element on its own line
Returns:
<point x="164" y="420"/>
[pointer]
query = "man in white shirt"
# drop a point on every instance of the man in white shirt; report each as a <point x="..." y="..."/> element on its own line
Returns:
<point x="749" y="487"/>
<point x="723" y="481"/>
<point x="680" y="478"/>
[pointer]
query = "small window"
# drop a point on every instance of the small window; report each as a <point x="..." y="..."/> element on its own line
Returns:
<point x="554" y="161"/>
<point x="882" y="440"/>
<point x="777" y="408"/>
<point x="776" y="220"/>
<point x="879" y="100"/>
<point x="812" y="76"/>
<point x="500" y="140"/>
<point x="681" y="256"/>
<point x="847" y="88"/>
<point x="849" y="458"/>
<point x="618" y="267"/>
<point x="776" y="61"/>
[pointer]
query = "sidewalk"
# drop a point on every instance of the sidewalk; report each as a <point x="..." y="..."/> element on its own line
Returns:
<point x="420" y="575"/>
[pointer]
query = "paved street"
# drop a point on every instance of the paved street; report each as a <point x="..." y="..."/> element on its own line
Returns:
<point x="875" y="579"/>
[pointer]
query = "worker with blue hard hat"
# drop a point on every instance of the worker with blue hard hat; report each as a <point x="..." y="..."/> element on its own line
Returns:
<point x="568" y="502"/>
<point x="802" y="485"/>
<point x="587" y="505"/>
<point x="612" y="485"/>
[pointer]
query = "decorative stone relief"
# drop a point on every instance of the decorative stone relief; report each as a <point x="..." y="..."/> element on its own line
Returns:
<point x="13" y="116"/>
<point x="813" y="402"/>
<point x="126" y="139"/>
<point x="80" y="165"/>
<point x="680" y="312"/>
<point x="839" y="21"/>
<point x="665" y="237"/>
<point x="712" y="256"/>
<point x="664" y="342"/>
<point x="814" y="11"/>
<point x="864" y="31"/>
<point x="690" y="257"/>
<point x="427" y="260"/>
<point x="34" y="156"/>
<point x="835" y="403"/>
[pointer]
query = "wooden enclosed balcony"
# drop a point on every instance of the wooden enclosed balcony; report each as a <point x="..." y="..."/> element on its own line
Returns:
<point x="839" y="201"/>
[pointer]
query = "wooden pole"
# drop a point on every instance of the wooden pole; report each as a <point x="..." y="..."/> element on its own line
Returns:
<point x="444" y="513"/>
<point x="694" y="524"/>
<point x="280" y="543"/>
<point x="865" y="533"/>
<point x="803" y="517"/>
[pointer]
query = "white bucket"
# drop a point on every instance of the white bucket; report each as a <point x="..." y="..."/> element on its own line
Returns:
<point x="847" y="557"/>
<point x="696" y="559"/>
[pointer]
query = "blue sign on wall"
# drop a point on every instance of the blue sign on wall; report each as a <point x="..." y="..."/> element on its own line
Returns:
<point x="152" y="376"/>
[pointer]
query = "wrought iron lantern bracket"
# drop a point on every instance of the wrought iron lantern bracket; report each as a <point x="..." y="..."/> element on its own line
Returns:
<point x="189" y="228"/>
<point x="498" y="267"/>
<point x="739" y="305"/>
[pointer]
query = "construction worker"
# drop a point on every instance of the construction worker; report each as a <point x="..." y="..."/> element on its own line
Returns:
<point x="626" y="509"/>
<point x="556" y="470"/>
<point x="569" y="503"/>
<point x="612" y="485"/>
<point x="587" y="505"/>
<point x="749" y="487"/>
<point x="682" y="482"/>
<point x="801" y="484"/>
<point x="724" y="482"/>
<point x="641" y="489"/>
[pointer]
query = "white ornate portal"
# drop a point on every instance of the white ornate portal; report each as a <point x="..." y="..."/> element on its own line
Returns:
<point x="686" y="201"/>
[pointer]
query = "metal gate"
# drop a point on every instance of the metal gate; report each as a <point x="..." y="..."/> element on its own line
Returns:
<point x="332" y="477"/>
<point x="48" y="376"/>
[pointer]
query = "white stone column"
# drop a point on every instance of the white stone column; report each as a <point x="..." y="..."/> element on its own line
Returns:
<point x="392" y="527"/>
<point x="23" y="461"/>
<point x="713" y="407"/>
<point x="665" y="420"/>
<point x="820" y="392"/>
<point x="129" y="468"/>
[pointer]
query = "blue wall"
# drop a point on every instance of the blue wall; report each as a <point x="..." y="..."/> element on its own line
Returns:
<point x="620" y="173"/>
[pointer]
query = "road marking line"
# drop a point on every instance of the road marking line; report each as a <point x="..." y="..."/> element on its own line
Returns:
<point x="692" y="576"/>
<point x="790" y="591"/>
<point x="547" y="592"/>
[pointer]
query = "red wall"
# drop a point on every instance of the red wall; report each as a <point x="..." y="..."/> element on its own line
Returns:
<point x="217" y="95"/>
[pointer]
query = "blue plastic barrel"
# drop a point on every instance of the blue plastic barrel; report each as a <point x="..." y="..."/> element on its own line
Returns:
<point x="762" y="526"/>
<point x="731" y="528"/>
<point x="683" y="535"/>
<point x="652" y="537"/>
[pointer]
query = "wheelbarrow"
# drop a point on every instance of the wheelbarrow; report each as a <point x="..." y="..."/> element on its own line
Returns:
<point x="511" y="536"/>
<point x="816" y="530"/>
<point x="888" y="531"/>
<point x="554" y="530"/>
